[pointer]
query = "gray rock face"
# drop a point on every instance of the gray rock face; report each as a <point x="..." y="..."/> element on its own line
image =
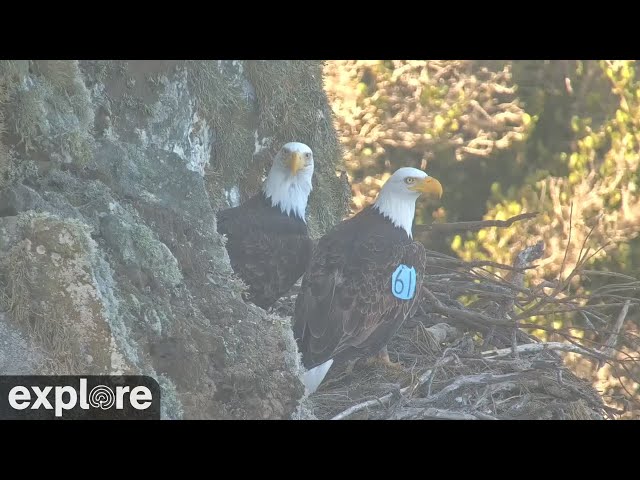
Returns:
<point x="110" y="177"/>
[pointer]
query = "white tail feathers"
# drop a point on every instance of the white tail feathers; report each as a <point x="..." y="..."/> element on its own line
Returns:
<point x="313" y="378"/>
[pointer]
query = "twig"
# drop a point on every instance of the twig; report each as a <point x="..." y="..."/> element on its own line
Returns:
<point x="446" y="358"/>
<point x="535" y="311"/>
<point x="565" y="333"/>
<point x="384" y="400"/>
<point x="514" y="343"/>
<point x="525" y="257"/>
<point x="364" y="405"/>
<point x="609" y="274"/>
<point x="472" y="226"/>
<point x="439" y="413"/>
<point x="522" y="365"/>
<point x="484" y="416"/>
<point x="480" y="379"/>
<point x="610" y="345"/>
<point x="542" y="347"/>
<point x="566" y="250"/>
<point x="436" y="262"/>
<point x="472" y="317"/>
<point x="586" y="320"/>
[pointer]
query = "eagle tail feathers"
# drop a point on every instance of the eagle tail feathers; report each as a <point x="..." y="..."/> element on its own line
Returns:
<point x="314" y="377"/>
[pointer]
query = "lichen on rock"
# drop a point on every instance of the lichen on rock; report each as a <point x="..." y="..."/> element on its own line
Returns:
<point x="110" y="262"/>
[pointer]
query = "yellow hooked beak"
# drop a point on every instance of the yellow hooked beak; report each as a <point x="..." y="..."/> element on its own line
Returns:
<point x="296" y="162"/>
<point x="428" y="185"/>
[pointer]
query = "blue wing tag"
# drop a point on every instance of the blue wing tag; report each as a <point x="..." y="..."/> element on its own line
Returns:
<point x="403" y="282"/>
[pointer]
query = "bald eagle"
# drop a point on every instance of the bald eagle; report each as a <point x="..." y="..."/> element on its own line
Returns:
<point x="267" y="238"/>
<point x="364" y="279"/>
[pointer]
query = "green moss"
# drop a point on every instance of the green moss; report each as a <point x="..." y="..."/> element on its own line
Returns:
<point x="138" y="246"/>
<point x="136" y="104"/>
<point x="80" y="147"/>
<point x="233" y="150"/>
<point x="4" y="150"/>
<point x="66" y="237"/>
<point x="48" y="283"/>
<point x="155" y="255"/>
<point x="217" y="89"/>
<point x="170" y="408"/>
<point x="293" y="107"/>
<point x="62" y="74"/>
<point x="221" y="100"/>
<point x="48" y="106"/>
<point x="27" y="116"/>
<point x="15" y="282"/>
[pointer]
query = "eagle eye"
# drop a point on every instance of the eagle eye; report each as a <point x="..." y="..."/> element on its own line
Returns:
<point x="409" y="180"/>
<point x="308" y="155"/>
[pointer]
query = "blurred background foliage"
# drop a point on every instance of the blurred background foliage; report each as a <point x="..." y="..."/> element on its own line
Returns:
<point x="507" y="137"/>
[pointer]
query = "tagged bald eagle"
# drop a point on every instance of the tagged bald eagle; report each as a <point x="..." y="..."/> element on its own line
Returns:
<point x="364" y="279"/>
<point x="267" y="238"/>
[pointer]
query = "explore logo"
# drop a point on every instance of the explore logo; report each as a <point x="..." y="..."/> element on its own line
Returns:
<point x="79" y="398"/>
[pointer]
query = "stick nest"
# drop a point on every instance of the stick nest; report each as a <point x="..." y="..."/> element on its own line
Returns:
<point x="468" y="353"/>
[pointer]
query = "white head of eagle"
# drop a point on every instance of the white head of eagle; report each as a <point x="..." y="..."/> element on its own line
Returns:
<point x="397" y="198"/>
<point x="288" y="184"/>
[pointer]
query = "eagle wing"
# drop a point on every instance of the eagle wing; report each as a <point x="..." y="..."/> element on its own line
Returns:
<point x="346" y="308"/>
<point x="269" y="252"/>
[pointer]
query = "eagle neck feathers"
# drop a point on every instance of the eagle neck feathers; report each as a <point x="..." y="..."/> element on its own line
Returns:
<point x="399" y="211"/>
<point x="287" y="193"/>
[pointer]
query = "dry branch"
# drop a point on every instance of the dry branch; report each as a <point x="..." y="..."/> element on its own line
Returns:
<point x="438" y="413"/>
<point x="382" y="401"/>
<point x="445" y="228"/>
<point x="482" y="379"/>
<point x="608" y="349"/>
<point x="543" y="347"/>
<point x="467" y="316"/>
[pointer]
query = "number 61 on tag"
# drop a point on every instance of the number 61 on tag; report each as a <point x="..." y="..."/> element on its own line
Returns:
<point x="403" y="282"/>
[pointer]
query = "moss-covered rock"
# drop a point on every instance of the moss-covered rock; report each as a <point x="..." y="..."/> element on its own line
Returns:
<point x="110" y="177"/>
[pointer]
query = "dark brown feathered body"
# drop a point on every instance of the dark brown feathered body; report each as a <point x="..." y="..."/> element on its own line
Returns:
<point x="269" y="250"/>
<point x="346" y="308"/>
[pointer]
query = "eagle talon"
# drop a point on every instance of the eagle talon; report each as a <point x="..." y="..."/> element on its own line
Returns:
<point x="350" y="368"/>
<point x="382" y="360"/>
<point x="386" y="364"/>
